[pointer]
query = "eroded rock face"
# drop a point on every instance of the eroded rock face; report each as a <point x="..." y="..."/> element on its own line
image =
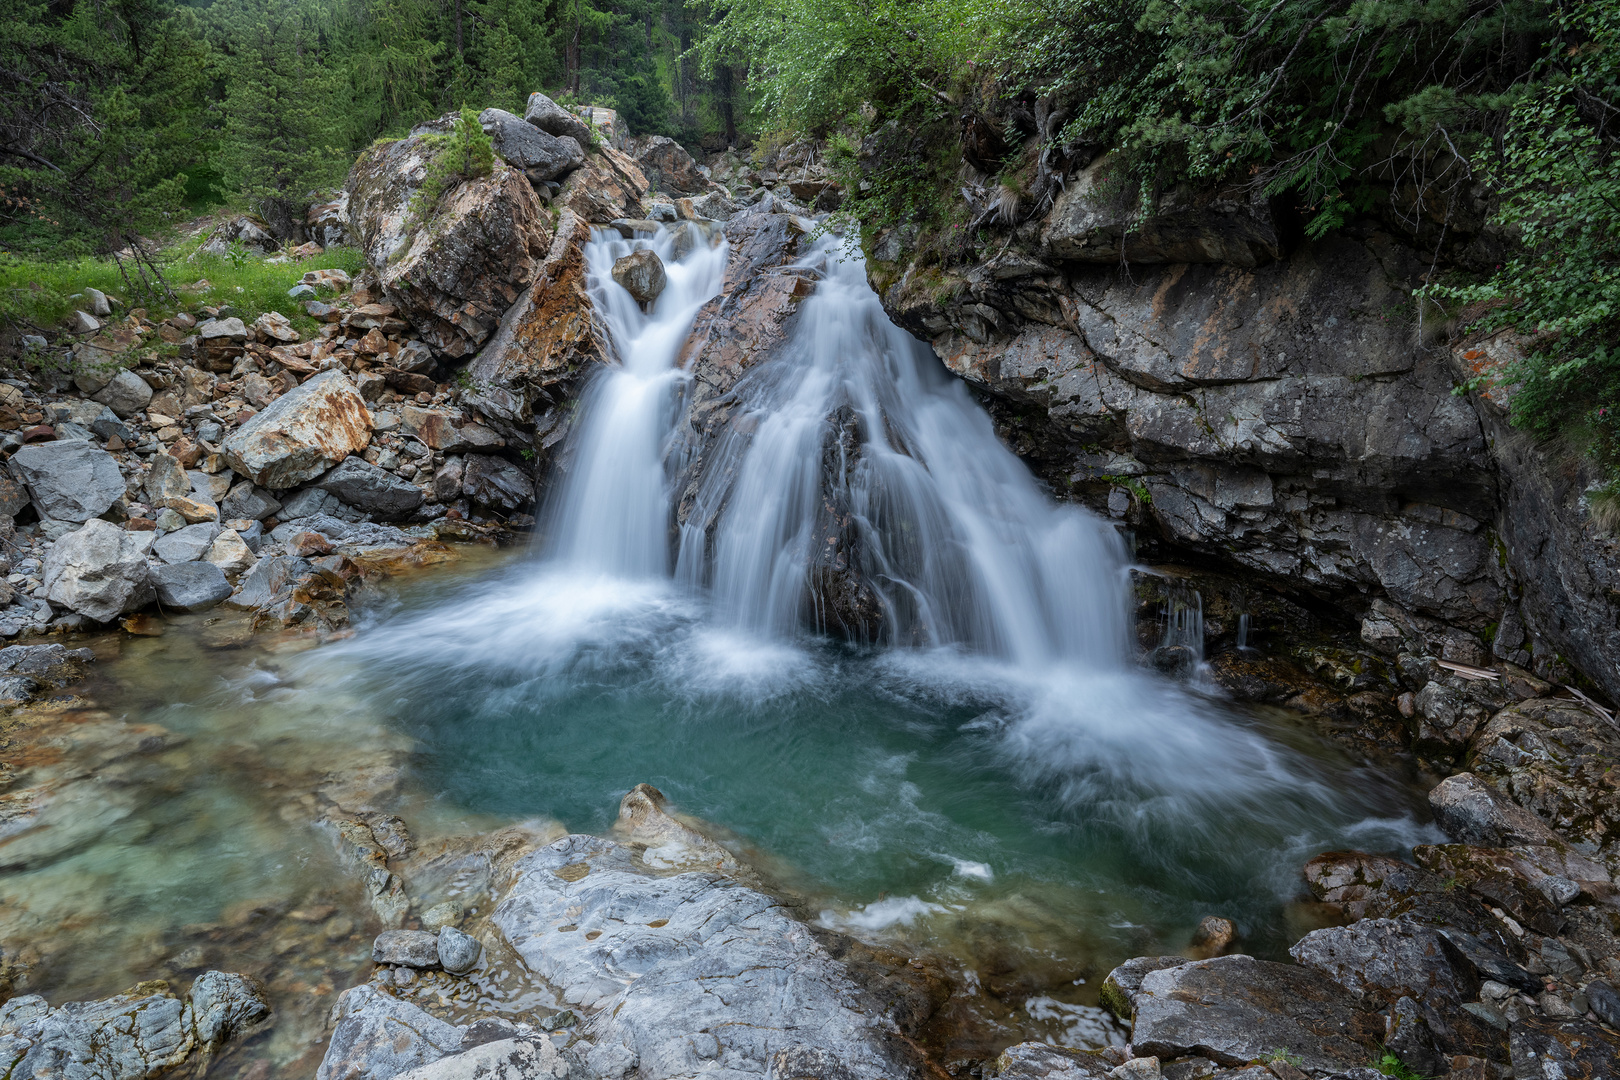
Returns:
<point x="453" y="275"/>
<point x="1567" y="567"/>
<point x="1554" y="757"/>
<point x="133" y="1036"/>
<point x="734" y="333"/>
<point x="302" y="433"/>
<point x="1276" y="417"/>
<point x="1099" y="218"/>
<point x="546" y="339"/>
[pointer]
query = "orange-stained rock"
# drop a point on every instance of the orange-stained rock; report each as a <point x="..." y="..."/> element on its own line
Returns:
<point x="608" y="186"/>
<point x="547" y="337"/>
<point x="302" y="433"/>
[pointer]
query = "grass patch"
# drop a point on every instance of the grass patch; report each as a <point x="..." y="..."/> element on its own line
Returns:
<point x="35" y="293"/>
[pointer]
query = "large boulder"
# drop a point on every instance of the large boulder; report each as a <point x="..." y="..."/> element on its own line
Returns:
<point x="302" y="433"/>
<point x="667" y="165"/>
<point x="1236" y="1009"/>
<point x="99" y="571"/>
<point x="609" y="186"/>
<point x="69" y="480"/>
<point x="126" y="394"/>
<point x="453" y="275"/>
<point x="641" y="274"/>
<point x="546" y="115"/>
<point x="540" y="155"/>
<point x="377" y="491"/>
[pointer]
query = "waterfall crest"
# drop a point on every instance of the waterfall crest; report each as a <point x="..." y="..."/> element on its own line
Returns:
<point x="854" y="472"/>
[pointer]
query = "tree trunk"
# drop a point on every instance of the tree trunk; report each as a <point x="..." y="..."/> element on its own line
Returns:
<point x="458" y="27"/>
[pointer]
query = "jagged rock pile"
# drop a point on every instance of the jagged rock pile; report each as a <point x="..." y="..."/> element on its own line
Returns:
<point x="1496" y="954"/>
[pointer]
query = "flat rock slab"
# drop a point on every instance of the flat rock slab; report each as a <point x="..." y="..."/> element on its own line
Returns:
<point x="69" y="480"/>
<point x="631" y="945"/>
<point x="1236" y="1009"/>
<point x="413" y="948"/>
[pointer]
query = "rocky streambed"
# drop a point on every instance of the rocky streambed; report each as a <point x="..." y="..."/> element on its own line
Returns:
<point x="317" y="812"/>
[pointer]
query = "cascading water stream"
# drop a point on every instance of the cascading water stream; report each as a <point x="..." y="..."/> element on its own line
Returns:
<point x="1001" y="734"/>
<point x="964" y="547"/>
<point x="613" y="516"/>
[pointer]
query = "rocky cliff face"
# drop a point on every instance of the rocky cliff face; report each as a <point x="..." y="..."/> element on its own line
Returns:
<point x="1278" y="412"/>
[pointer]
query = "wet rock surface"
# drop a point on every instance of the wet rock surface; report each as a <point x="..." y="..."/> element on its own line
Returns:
<point x="138" y="1034"/>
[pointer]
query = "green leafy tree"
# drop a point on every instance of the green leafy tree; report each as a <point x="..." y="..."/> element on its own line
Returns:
<point x="1558" y="177"/>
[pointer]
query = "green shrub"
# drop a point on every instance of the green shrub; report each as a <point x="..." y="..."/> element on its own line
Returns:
<point x="464" y="153"/>
<point x="1559" y="182"/>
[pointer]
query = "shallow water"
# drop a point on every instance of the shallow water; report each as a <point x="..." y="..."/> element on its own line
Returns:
<point x="1008" y="789"/>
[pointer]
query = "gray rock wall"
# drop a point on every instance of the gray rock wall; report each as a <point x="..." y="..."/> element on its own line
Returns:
<point x="1282" y="420"/>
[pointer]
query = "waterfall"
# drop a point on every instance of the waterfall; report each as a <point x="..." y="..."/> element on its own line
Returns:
<point x="613" y="515"/>
<point x="853" y="444"/>
<point x="858" y="418"/>
<point x="855" y="486"/>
